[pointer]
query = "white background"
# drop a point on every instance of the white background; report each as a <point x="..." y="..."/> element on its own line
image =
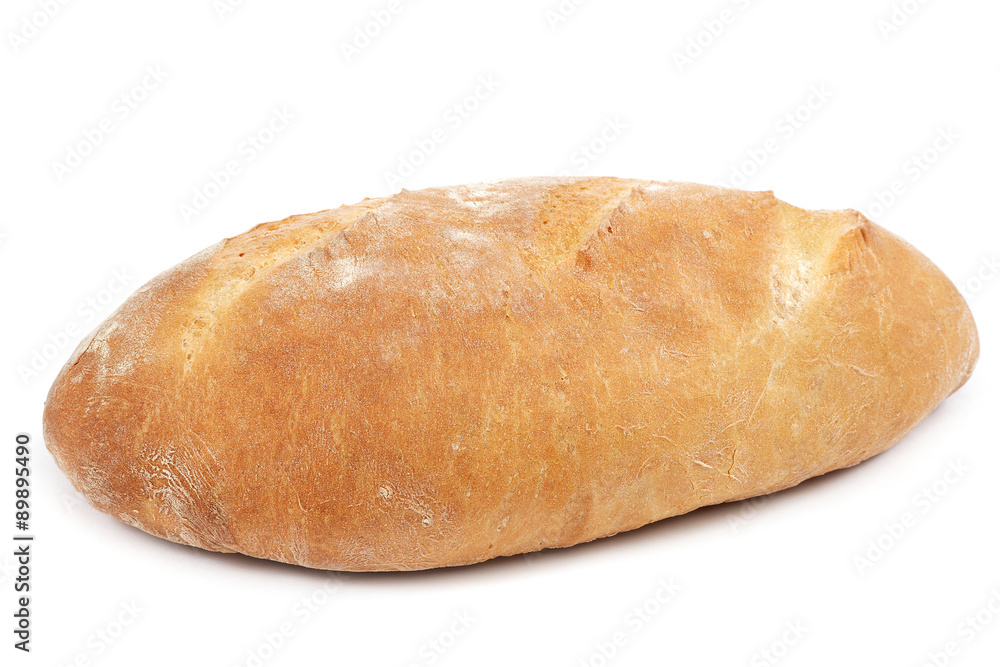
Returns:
<point x="745" y="571"/>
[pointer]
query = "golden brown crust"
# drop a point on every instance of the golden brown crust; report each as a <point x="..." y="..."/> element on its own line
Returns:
<point x="444" y="376"/>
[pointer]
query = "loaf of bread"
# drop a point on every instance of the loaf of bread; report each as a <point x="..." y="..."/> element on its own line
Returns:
<point x="440" y="377"/>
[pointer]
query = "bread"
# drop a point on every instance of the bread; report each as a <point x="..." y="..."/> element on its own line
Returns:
<point x="440" y="377"/>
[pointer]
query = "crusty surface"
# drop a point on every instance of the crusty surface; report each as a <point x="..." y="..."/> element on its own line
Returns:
<point x="444" y="376"/>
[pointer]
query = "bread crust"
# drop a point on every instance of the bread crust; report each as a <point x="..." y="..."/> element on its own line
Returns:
<point x="440" y="377"/>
